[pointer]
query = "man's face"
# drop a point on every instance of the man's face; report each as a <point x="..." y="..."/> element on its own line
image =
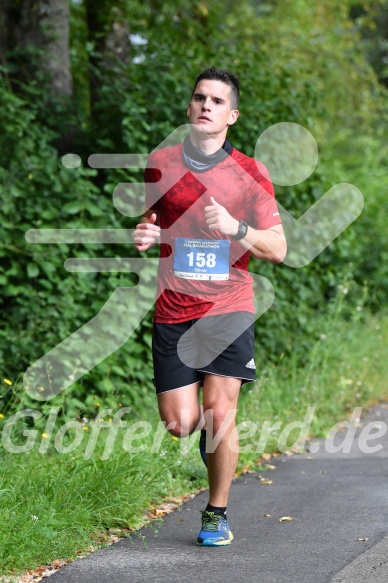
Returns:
<point x="209" y="108"/>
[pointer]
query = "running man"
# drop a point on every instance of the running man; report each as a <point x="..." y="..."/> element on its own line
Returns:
<point x="216" y="207"/>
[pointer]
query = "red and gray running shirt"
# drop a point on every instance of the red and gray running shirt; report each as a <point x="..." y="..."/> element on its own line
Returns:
<point x="179" y="195"/>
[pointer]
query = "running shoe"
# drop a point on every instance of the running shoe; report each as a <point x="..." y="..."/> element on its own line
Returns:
<point x="215" y="531"/>
<point x="202" y="446"/>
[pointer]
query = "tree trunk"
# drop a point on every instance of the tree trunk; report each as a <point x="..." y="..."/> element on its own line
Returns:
<point x="34" y="34"/>
<point x="4" y="29"/>
<point x="108" y="33"/>
<point x="117" y="41"/>
<point x="45" y="25"/>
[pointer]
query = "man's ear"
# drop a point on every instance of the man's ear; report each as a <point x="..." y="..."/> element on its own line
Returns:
<point x="188" y="110"/>
<point x="233" y="117"/>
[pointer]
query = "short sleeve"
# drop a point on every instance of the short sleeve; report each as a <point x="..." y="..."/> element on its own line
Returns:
<point x="263" y="210"/>
<point x="152" y="175"/>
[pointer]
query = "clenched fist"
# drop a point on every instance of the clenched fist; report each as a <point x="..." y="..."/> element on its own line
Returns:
<point x="147" y="233"/>
<point x="218" y="218"/>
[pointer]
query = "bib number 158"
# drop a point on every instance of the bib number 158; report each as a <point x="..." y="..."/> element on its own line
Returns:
<point x="201" y="259"/>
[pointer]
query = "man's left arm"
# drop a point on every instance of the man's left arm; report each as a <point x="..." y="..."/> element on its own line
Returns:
<point x="267" y="244"/>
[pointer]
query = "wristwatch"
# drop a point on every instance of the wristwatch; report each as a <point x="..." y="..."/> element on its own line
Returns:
<point x="242" y="231"/>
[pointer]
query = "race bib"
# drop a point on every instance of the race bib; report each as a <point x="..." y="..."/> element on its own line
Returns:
<point x="201" y="258"/>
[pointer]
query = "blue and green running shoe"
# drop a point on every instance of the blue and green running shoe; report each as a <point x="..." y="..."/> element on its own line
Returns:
<point x="202" y="446"/>
<point x="215" y="531"/>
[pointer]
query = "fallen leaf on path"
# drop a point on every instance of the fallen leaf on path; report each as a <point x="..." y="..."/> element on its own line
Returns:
<point x="265" y="482"/>
<point x="267" y="515"/>
<point x="164" y="509"/>
<point x="363" y="539"/>
<point x="286" y="519"/>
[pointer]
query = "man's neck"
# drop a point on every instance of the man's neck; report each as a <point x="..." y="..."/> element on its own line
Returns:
<point x="207" y="144"/>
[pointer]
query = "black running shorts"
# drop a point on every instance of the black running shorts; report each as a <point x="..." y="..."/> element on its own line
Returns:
<point x="221" y="345"/>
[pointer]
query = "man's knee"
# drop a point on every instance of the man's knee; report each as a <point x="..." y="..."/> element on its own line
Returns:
<point x="177" y="428"/>
<point x="220" y="417"/>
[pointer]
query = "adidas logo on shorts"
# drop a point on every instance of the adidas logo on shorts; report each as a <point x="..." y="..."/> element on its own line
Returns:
<point x="250" y="364"/>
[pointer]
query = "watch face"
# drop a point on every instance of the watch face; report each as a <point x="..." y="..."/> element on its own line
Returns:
<point x="242" y="231"/>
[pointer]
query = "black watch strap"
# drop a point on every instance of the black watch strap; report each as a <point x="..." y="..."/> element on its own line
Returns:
<point x="242" y="231"/>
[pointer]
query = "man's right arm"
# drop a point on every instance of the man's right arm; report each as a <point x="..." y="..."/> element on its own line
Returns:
<point x="147" y="232"/>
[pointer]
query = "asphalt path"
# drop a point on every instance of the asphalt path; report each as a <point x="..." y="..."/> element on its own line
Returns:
<point x="339" y="532"/>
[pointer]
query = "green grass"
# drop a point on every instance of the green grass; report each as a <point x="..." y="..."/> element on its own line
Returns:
<point x="52" y="505"/>
<point x="346" y="368"/>
<point x="55" y="504"/>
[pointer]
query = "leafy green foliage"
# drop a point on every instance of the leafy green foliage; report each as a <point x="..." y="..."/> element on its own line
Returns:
<point x="318" y="78"/>
<point x="41" y="303"/>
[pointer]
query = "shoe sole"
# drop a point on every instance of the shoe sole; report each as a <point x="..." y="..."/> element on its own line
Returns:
<point x="209" y="543"/>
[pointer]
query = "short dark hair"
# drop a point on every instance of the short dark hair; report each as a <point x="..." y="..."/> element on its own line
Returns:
<point x="214" y="74"/>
